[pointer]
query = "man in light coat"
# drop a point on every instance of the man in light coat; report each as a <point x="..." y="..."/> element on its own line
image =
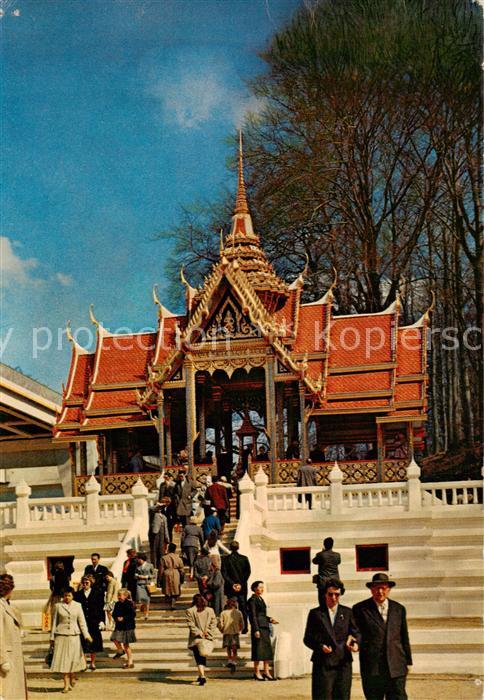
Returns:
<point x="385" y="653"/>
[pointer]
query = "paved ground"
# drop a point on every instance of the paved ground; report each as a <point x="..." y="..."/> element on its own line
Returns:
<point x="89" y="688"/>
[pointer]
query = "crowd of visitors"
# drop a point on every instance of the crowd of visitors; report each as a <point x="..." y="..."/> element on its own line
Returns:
<point x="376" y="627"/>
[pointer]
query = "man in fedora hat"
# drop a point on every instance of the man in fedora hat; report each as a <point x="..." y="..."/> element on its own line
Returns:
<point x="385" y="647"/>
<point x="332" y="635"/>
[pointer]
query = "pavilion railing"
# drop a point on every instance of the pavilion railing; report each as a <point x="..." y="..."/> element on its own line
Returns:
<point x="355" y="471"/>
<point x="122" y="483"/>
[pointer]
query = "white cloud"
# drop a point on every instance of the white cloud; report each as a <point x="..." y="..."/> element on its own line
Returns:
<point x="15" y="270"/>
<point x="192" y="97"/>
<point x="63" y="280"/>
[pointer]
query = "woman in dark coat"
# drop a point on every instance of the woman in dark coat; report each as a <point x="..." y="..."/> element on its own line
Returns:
<point x="92" y="602"/>
<point x="128" y="577"/>
<point x="260" y="632"/>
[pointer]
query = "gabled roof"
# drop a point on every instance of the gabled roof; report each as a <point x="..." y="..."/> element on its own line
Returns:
<point x="347" y="363"/>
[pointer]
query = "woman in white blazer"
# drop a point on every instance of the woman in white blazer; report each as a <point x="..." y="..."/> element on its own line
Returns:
<point x="67" y="626"/>
<point x="12" y="674"/>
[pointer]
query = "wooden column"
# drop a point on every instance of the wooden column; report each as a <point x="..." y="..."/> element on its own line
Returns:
<point x="169" y="451"/>
<point x="410" y="438"/>
<point x="161" y="427"/>
<point x="202" y="423"/>
<point x="83" y="457"/>
<point x="280" y="419"/>
<point x="303" y="438"/>
<point x="379" y="443"/>
<point x="191" y="412"/>
<point x="271" y="415"/>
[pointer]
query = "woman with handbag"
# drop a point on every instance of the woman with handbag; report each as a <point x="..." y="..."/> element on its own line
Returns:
<point x="202" y="625"/>
<point x="144" y="575"/>
<point x="171" y="575"/>
<point x="260" y="635"/>
<point x="112" y="588"/>
<point x="67" y="626"/>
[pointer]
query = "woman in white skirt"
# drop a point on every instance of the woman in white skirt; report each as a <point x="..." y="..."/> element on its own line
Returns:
<point x="67" y="626"/>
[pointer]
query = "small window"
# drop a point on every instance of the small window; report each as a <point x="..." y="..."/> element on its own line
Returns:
<point x="295" y="560"/>
<point x="371" y="557"/>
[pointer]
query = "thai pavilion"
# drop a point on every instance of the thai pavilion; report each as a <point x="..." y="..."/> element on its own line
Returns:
<point x="351" y="388"/>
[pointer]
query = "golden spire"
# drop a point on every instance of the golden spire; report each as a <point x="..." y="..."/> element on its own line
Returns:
<point x="241" y="206"/>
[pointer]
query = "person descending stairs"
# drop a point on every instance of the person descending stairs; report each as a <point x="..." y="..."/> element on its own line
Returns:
<point x="161" y="646"/>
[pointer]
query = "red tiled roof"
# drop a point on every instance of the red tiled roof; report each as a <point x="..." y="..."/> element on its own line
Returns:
<point x="359" y="381"/>
<point x="71" y="415"/>
<point x="408" y="391"/>
<point x="288" y="314"/>
<point x="166" y="341"/>
<point x="362" y="403"/>
<point x="361" y="340"/>
<point x="100" y="421"/>
<point x="311" y="328"/>
<point x="406" y="412"/>
<point x="409" y="350"/>
<point x="123" y="358"/>
<point x="122" y="398"/>
<point x="79" y="373"/>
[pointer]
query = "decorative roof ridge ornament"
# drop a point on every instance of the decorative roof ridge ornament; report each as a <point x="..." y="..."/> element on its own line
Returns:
<point x="100" y="328"/>
<point x="299" y="281"/>
<point x="191" y="291"/>
<point x="163" y="312"/>
<point x="394" y="308"/>
<point x="78" y="348"/>
<point x="425" y="317"/>
<point x="328" y="296"/>
<point x="241" y="206"/>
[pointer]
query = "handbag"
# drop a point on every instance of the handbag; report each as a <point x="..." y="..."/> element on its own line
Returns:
<point x="204" y="646"/>
<point x="49" y="656"/>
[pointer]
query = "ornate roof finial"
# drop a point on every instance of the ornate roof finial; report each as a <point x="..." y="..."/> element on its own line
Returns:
<point x="221" y="242"/>
<point x="241" y="206"/>
<point x="92" y="317"/>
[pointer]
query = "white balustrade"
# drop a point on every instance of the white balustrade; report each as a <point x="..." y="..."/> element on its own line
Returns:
<point x="48" y="509"/>
<point x="453" y="493"/>
<point x="292" y="497"/>
<point x="111" y="507"/>
<point x="8" y="514"/>
<point x="375" y="495"/>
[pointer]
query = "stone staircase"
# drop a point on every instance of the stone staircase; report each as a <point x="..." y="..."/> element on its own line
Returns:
<point x="161" y="649"/>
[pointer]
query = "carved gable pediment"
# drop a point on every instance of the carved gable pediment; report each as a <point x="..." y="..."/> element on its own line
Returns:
<point x="228" y="321"/>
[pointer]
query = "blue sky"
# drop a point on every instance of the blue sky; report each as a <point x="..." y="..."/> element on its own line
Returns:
<point x="114" y="113"/>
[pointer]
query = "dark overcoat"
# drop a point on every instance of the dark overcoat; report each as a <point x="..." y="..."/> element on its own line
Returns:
<point x="93" y="609"/>
<point x="319" y="631"/>
<point x="383" y="642"/>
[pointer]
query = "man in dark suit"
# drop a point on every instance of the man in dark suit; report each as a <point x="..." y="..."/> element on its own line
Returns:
<point x="236" y="573"/>
<point x="332" y="635"/>
<point x="98" y="572"/>
<point x="327" y="562"/>
<point x="385" y="647"/>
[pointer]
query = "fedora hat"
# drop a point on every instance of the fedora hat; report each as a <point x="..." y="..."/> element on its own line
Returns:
<point x="380" y="578"/>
